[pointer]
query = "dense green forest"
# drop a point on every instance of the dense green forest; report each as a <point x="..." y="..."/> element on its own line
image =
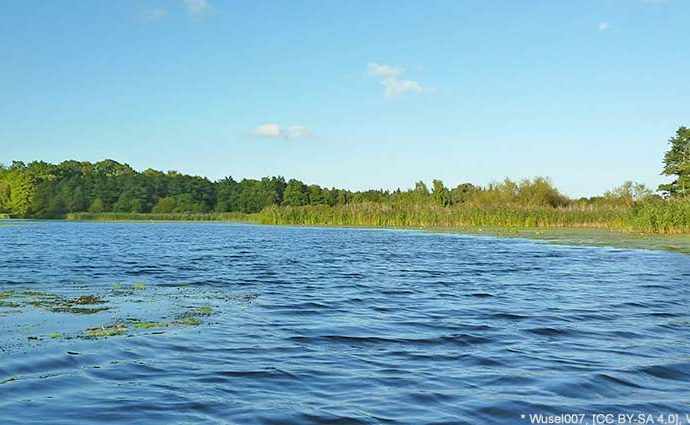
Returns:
<point x="112" y="189"/>
<point x="43" y="190"/>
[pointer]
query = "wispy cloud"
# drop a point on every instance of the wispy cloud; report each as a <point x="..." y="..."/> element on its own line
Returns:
<point x="197" y="7"/>
<point x="603" y="26"/>
<point x="275" y="131"/>
<point x="384" y="70"/>
<point x="298" y="132"/>
<point x="392" y="82"/>
<point x="153" y="13"/>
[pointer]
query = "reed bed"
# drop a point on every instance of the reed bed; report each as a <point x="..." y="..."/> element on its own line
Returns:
<point x="669" y="217"/>
<point x="664" y="218"/>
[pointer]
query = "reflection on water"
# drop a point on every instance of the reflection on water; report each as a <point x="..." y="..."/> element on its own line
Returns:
<point x="203" y="322"/>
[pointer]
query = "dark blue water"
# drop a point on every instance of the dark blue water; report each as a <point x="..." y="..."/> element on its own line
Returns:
<point x="335" y="326"/>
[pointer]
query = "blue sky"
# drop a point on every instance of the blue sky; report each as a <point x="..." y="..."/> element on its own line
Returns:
<point x="354" y="94"/>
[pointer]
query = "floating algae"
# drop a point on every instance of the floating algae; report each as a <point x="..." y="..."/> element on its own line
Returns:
<point x="9" y="304"/>
<point x="187" y="321"/>
<point x="89" y="300"/>
<point x="191" y="318"/>
<point x="60" y="304"/>
<point x="204" y="311"/>
<point x="105" y="331"/>
<point x="148" y="325"/>
<point x="134" y="310"/>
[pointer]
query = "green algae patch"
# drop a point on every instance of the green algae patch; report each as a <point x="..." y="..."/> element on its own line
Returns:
<point x="61" y="313"/>
<point x="574" y="236"/>
<point x="150" y="325"/>
<point x="187" y="321"/>
<point x="88" y="300"/>
<point x="60" y="304"/>
<point x="191" y="318"/>
<point x="77" y="310"/>
<point x="204" y="311"/>
<point x="106" y="331"/>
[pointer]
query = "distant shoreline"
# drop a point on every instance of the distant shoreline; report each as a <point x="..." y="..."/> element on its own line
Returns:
<point x="595" y="236"/>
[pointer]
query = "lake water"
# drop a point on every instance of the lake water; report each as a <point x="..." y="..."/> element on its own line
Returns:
<point x="269" y="325"/>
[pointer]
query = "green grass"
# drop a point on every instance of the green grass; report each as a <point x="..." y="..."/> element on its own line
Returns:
<point x="416" y="216"/>
<point x="237" y="217"/>
<point x="4" y="216"/>
<point x="666" y="217"/>
<point x="661" y="218"/>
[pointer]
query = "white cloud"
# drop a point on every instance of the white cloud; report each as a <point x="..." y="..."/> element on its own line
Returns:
<point x="197" y="7"/>
<point x="384" y="70"/>
<point x="274" y="131"/>
<point x="297" y="132"/>
<point x="268" y="130"/>
<point x="603" y="26"/>
<point x="153" y="14"/>
<point x="393" y="85"/>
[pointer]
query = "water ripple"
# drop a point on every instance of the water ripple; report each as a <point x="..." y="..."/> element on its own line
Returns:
<point x="340" y="326"/>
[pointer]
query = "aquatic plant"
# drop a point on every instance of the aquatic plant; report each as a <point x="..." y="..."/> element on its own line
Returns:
<point x="139" y="285"/>
<point x="187" y="321"/>
<point x="88" y="300"/>
<point x="149" y="325"/>
<point x="664" y="217"/>
<point x="204" y="311"/>
<point x="60" y="304"/>
<point x="106" y="331"/>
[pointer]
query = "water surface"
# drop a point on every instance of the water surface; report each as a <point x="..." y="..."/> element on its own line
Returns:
<point x="322" y="325"/>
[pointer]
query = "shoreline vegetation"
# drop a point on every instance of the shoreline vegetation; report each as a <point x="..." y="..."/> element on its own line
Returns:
<point x="667" y="218"/>
<point x="109" y="190"/>
<point x="581" y="235"/>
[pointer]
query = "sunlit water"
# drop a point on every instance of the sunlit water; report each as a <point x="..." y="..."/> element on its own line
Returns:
<point x="334" y="326"/>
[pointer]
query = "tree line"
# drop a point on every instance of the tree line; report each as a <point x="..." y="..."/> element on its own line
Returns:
<point x="43" y="190"/>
